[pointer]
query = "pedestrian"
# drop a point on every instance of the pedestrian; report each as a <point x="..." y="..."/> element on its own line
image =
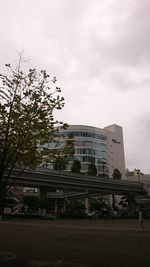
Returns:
<point x="140" y="219"/>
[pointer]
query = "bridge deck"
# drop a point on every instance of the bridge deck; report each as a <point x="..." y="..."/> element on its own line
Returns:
<point x="63" y="180"/>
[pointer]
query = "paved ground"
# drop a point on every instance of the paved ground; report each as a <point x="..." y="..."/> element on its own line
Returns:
<point x="74" y="243"/>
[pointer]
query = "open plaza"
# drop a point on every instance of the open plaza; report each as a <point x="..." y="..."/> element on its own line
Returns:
<point x="74" y="243"/>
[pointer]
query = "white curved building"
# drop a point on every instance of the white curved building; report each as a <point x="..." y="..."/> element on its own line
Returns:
<point x="104" y="147"/>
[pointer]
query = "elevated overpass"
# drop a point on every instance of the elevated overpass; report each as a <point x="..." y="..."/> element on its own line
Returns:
<point x="64" y="181"/>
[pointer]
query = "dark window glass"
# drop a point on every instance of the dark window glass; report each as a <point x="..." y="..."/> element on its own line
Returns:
<point x="85" y="134"/>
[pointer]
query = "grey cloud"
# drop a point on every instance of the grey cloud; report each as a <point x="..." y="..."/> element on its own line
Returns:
<point x="129" y="47"/>
<point x="100" y="52"/>
<point x="144" y="122"/>
<point x="132" y="44"/>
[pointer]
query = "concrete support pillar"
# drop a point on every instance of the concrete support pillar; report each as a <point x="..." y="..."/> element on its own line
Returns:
<point x="64" y="206"/>
<point x="56" y="207"/>
<point x="87" y="206"/>
<point x="43" y="196"/>
<point x="43" y="193"/>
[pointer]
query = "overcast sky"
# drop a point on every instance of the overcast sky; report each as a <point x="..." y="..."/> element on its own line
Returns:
<point x="100" y="53"/>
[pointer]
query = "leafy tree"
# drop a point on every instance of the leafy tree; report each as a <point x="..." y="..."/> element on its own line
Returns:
<point x="76" y="166"/>
<point x="98" y="204"/>
<point x="47" y="204"/>
<point x="69" y="147"/>
<point x="62" y="155"/>
<point x="129" y="201"/>
<point x="117" y="174"/>
<point x="92" y="170"/>
<point x="27" y="104"/>
<point x="76" y="204"/>
<point x="32" y="202"/>
<point x="75" y="208"/>
<point x="60" y="163"/>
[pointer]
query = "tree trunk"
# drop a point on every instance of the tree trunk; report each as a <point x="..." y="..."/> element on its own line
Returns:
<point x="1" y="204"/>
<point x="2" y="197"/>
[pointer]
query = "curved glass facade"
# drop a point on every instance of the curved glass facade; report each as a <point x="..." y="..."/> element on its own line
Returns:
<point x="85" y="134"/>
<point x="90" y="146"/>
